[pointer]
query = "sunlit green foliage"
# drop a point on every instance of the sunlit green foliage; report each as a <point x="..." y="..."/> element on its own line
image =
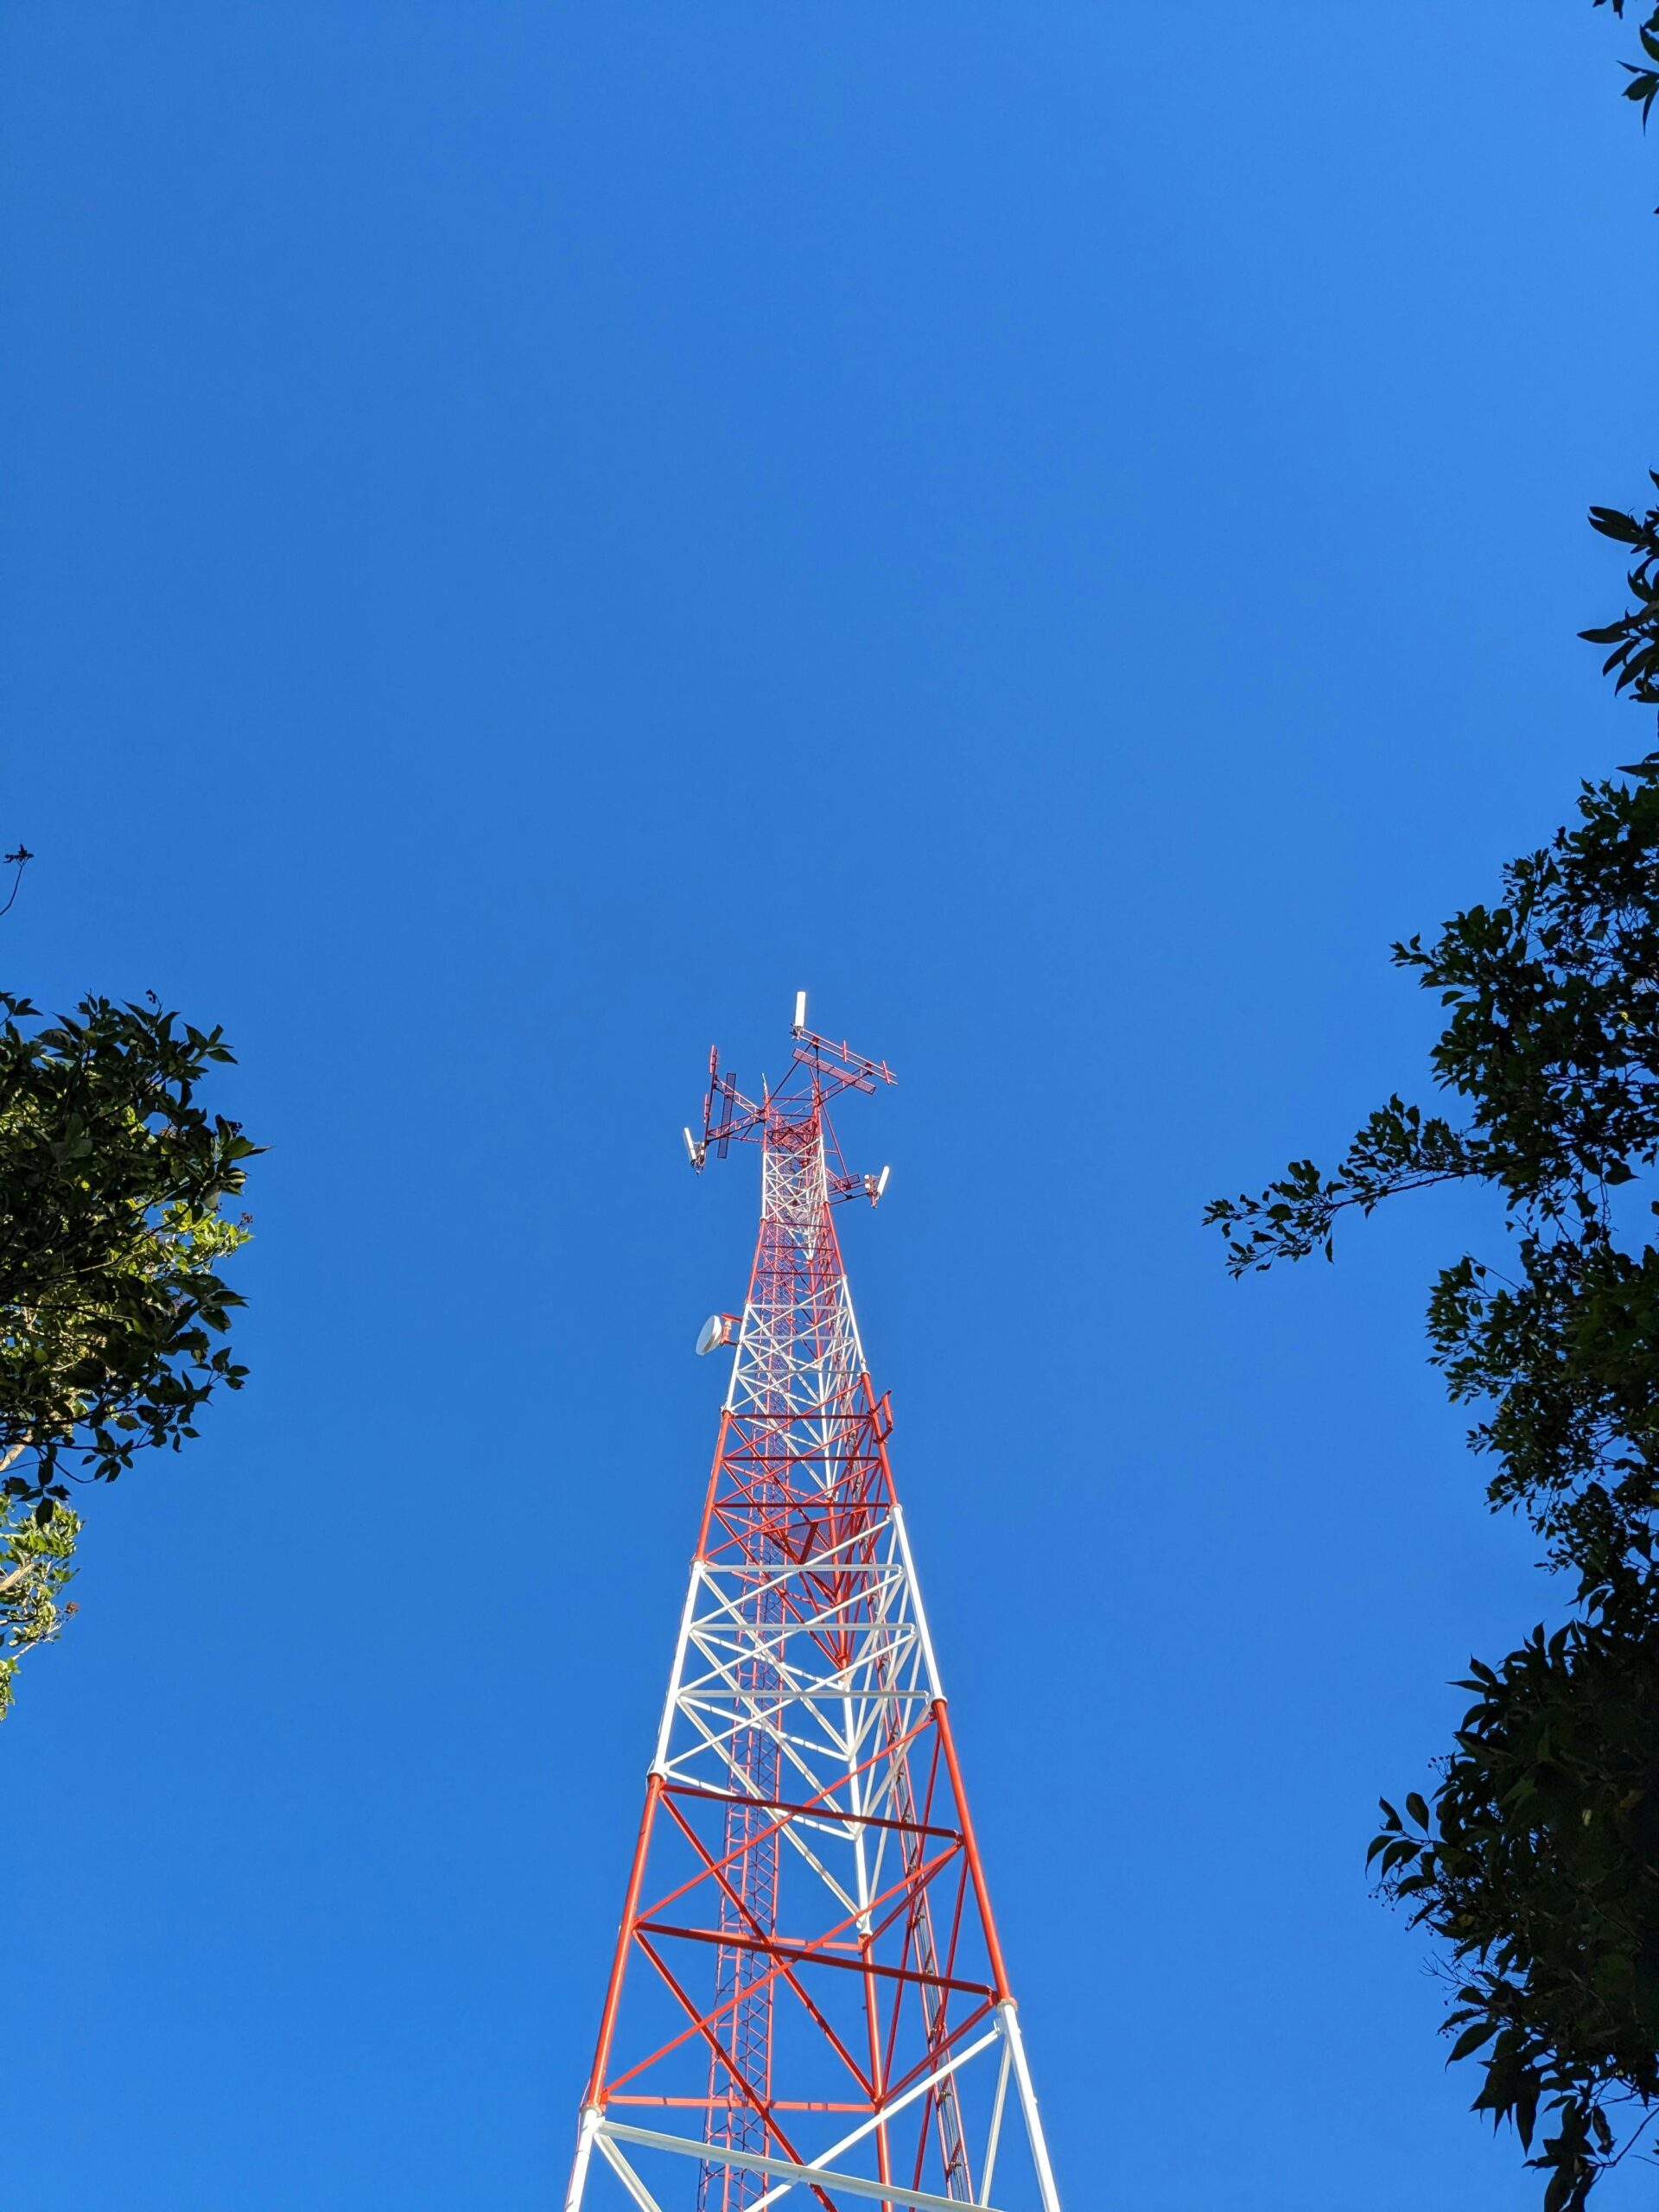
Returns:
<point x="114" y="1182"/>
<point x="35" y="1564"/>
<point x="112" y="1179"/>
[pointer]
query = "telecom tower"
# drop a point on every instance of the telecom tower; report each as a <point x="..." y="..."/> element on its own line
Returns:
<point x="807" y="1994"/>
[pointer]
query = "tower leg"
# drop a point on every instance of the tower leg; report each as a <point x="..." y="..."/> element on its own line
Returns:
<point x="584" y="2153"/>
<point x="1010" y="2019"/>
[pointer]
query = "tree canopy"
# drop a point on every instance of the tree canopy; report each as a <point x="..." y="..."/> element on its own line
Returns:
<point x="35" y="1567"/>
<point x="114" y="1182"/>
<point x="1538" y="1861"/>
<point x="1534" y="1857"/>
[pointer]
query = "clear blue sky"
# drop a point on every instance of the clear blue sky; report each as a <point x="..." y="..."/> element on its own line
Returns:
<point x="532" y="531"/>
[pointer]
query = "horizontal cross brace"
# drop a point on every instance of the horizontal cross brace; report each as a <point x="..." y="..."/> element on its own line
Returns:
<point x="809" y="1954"/>
<point x="885" y="2192"/>
<point x="822" y="1812"/>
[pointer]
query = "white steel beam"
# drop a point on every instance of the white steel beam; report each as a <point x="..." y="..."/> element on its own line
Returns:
<point x="987" y="2168"/>
<point x="880" y="2118"/>
<point x="1050" y="2195"/>
<point x="585" y="2131"/>
<point x="885" y="2192"/>
<point x="624" y="2173"/>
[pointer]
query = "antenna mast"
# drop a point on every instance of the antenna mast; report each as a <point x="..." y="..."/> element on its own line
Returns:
<point x="807" y="1989"/>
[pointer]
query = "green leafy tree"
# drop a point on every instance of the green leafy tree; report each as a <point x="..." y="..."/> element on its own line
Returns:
<point x="114" y="1184"/>
<point x="35" y="1564"/>
<point x="1551" y="1048"/>
<point x="1535" y="1857"/>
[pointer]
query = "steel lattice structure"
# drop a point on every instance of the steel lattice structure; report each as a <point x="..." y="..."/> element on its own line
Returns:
<point x="808" y="1995"/>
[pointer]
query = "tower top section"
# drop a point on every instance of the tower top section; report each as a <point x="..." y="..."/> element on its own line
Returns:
<point x="819" y="1072"/>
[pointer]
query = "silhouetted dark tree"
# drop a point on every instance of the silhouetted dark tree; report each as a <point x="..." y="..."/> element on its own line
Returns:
<point x="1534" y="1859"/>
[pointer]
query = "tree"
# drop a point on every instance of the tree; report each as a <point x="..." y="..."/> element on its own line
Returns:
<point x="113" y="1316"/>
<point x="1643" y="87"/>
<point x="35" y="1565"/>
<point x="1552" y="1043"/>
<point x="1534" y="1859"/>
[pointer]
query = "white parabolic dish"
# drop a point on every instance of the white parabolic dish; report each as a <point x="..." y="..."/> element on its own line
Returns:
<point x="712" y="1334"/>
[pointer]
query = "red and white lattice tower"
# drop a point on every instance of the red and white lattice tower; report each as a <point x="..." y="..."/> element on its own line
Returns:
<point x="808" y="1996"/>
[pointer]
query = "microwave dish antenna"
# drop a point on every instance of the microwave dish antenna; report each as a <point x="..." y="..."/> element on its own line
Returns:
<point x="715" y="1331"/>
